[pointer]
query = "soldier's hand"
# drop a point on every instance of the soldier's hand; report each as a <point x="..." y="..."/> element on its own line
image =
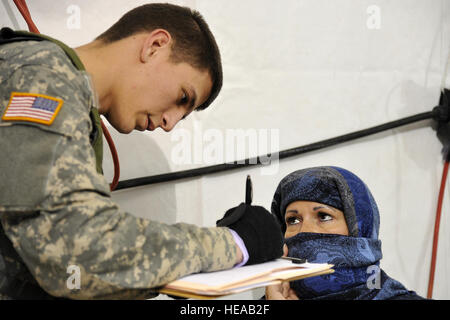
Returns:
<point x="259" y="230"/>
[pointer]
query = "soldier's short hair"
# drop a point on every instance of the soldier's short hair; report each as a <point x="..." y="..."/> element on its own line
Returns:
<point x="193" y="41"/>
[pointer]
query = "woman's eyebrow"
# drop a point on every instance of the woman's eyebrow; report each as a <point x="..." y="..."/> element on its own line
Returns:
<point x="292" y="210"/>
<point x="323" y="207"/>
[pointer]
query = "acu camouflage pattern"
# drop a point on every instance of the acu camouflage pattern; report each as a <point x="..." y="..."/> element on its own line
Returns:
<point x="56" y="210"/>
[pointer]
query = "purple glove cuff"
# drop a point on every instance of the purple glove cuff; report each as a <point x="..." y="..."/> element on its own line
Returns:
<point x="241" y="245"/>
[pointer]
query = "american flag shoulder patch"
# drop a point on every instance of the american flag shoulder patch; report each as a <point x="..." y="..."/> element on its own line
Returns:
<point x="32" y="107"/>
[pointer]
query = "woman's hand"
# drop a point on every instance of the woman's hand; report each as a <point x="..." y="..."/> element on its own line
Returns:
<point x="281" y="291"/>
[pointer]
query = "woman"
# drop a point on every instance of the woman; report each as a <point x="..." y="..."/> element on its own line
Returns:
<point x="328" y="215"/>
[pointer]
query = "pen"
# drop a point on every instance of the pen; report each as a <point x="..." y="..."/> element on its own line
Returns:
<point x="295" y="260"/>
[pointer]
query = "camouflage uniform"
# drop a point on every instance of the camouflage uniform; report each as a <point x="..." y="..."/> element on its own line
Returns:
<point x="56" y="208"/>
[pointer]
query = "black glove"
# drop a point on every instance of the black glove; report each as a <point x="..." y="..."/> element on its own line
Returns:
<point x="257" y="227"/>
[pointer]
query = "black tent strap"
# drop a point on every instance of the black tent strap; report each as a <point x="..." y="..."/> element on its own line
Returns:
<point x="130" y="183"/>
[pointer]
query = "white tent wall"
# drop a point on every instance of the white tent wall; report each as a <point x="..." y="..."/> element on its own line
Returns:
<point x="297" y="72"/>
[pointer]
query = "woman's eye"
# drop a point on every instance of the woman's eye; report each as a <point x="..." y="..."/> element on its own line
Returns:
<point x="325" y="216"/>
<point x="292" y="220"/>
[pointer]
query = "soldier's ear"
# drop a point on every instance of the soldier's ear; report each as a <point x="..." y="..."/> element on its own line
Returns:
<point x="155" y="41"/>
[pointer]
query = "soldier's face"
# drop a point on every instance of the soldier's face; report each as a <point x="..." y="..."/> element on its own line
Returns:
<point x="158" y="93"/>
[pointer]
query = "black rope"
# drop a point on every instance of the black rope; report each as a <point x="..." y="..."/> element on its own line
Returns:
<point x="130" y="183"/>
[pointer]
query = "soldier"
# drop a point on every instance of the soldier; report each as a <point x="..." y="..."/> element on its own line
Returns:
<point x="157" y="64"/>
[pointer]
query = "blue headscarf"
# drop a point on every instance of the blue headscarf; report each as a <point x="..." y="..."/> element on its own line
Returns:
<point x="355" y="257"/>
